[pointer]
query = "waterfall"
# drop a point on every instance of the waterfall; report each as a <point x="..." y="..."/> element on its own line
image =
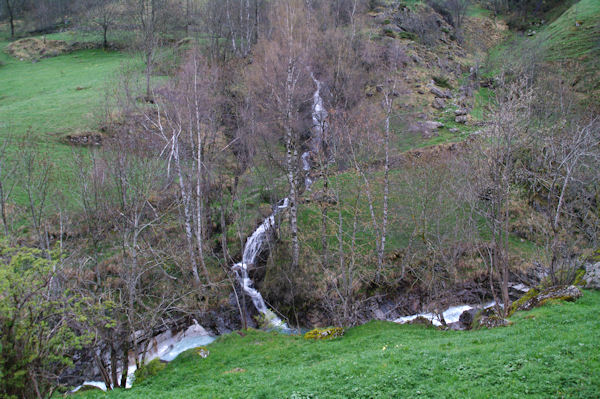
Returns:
<point x="262" y="235"/>
<point x="254" y="246"/>
<point x="319" y="118"/>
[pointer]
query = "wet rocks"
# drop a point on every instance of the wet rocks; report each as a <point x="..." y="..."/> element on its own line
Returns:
<point x="466" y="318"/>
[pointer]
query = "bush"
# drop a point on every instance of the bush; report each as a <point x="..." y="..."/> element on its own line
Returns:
<point x="419" y="24"/>
<point x="324" y="333"/>
<point x="389" y="33"/>
<point x="148" y="371"/>
<point x="442" y="81"/>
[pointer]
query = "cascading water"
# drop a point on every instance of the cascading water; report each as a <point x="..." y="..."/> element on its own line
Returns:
<point x="319" y="118"/>
<point x="254" y="246"/>
<point x="261" y="236"/>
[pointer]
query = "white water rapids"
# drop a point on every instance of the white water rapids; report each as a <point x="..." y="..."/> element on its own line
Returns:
<point x="165" y="346"/>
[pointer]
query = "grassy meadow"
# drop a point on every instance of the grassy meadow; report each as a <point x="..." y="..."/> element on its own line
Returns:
<point x="550" y="352"/>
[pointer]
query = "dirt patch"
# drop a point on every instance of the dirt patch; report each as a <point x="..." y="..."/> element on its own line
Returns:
<point x="35" y="48"/>
<point x="84" y="139"/>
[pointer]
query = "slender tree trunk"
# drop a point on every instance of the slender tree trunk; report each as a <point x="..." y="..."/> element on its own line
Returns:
<point x="104" y="37"/>
<point x="199" y="181"/>
<point x="291" y="163"/>
<point x="11" y="19"/>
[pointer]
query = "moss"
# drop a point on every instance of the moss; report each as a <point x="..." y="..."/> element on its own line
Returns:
<point x="516" y="304"/>
<point x="579" y="281"/>
<point x="389" y="33"/>
<point x="148" y="371"/>
<point x="442" y="81"/>
<point x="324" y="333"/>
<point x="407" y="35"/>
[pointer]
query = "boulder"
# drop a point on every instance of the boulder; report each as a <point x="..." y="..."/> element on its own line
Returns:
<point x="460" y="112"/>
<point x="466" y="318"/>
<point x="438" y="103"/>
<point x="436" y="91"/>
<point x="533" y="298"/>
<point x="461" y="119"/>
<point x="591" y="277"/>
<point x="431" y="125"/>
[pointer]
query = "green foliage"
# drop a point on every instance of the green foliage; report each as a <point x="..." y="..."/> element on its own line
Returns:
<point x="389" y="33"/>
<point x="35" y="336"/>
<point x="149" y="370"/>
<point x="578" y="281"/>
<point x="442" y="81"/>
<point x="407" y="35"/>
<point x="548" y="352"/>
<point x="324" y="333"/>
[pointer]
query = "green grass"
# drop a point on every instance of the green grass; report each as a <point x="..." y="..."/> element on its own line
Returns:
<point x="549" y="352"/>
<point x="56" y="95"/>
<point x="563" y="39"/>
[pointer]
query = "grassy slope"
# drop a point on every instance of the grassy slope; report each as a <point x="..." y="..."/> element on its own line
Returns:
<point x="55" y="97"/>
<point x="563" y="39"/>
<point x="549" y="352"/>
<point x="43" y="97"/>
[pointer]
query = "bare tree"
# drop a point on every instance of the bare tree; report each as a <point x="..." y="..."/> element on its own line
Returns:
<point x="281" y="83"/>
<point x="102" y="15"/>
<point x="495" y="174"/>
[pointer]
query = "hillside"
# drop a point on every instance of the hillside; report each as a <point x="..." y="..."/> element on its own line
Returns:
<point x="548" y="352"/>
<point x="174" y="172"/>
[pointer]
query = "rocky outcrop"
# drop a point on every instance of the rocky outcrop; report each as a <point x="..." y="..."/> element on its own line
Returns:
<point x="591" y="278"/>
<point x="440" y="93"/>
<point x="533" y="298"/>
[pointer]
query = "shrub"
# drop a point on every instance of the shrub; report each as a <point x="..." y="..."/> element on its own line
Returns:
<point x="442" y="81"/>
<point x="148" y="370"/>
<point x="324" y="333"/>
<point x="389" y="33"/>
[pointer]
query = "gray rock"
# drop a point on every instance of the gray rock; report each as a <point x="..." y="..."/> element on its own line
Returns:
<point x="570" y="293"/>
<point x="493" y="321"/>
<point x="432" y="125"/>
<point x="592" y="275"/>
<point x="461" y="119"/>
<point x="461" y="112"/>
<point x="439" y="103"/>
<point x="436" y="91"/>
<point x="466" y="318"/>
<point x="454" y="130"/>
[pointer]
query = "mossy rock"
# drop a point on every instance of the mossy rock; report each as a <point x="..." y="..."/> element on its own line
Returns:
<point x="324" y="333"/>
<point x="203" y="352"/>
<point x="532" y="293"/>
<point x="148" y="371"/>
<point x="534" y="299"/>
